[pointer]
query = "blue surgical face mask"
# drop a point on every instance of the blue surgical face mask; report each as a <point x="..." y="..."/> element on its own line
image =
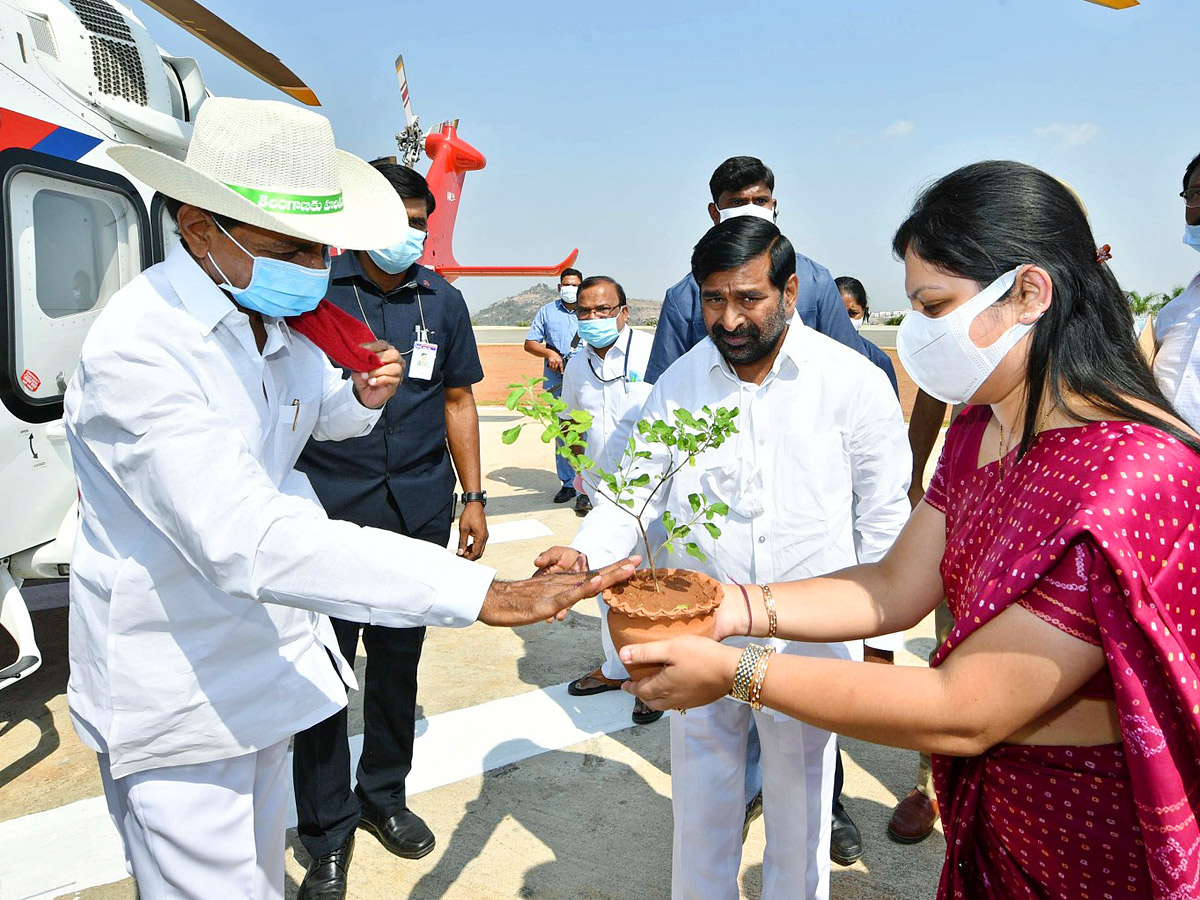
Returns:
<point x="1191" y="236"/>
<point x="599" y="333"/>
<point x="277" y="288"/>
<point x="396" y="259"/>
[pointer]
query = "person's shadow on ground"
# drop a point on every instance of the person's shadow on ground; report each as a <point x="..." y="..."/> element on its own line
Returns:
<point x="601" y="820"/>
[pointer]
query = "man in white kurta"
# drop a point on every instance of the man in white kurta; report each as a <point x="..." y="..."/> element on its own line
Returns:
<point x="820" y="465"/>
<point x="607" y="380"/>
<point x="204" y="567"/>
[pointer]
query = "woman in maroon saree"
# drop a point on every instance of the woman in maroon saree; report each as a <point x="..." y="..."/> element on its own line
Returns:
<point x="1063" y="710"/>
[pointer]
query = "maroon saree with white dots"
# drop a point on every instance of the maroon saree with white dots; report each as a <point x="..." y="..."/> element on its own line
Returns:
<point x="1095" y="532"/>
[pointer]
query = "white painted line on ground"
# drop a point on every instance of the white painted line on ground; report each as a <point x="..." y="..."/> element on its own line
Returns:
<point x="507" y="532"/>
<point x="75" y="846"/>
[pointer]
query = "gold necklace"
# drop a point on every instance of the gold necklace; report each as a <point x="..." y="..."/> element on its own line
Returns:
<point x="1041" y="425"/>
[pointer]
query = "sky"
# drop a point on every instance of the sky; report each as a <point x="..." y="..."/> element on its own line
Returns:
<point x="603" y="121"/>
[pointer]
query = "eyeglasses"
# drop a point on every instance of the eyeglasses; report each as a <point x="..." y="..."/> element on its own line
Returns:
<point x="596" y="312"/>
<point x="1191" y="197"/>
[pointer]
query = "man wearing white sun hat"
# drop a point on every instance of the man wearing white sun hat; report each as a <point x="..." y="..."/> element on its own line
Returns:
<point x="204" y="567"/>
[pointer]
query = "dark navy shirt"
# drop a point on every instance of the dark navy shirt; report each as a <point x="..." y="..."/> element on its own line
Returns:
<point x="406" y="454"/>
<point x="818" y="304"/>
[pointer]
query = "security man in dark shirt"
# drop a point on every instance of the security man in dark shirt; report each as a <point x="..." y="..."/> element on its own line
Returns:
<point x="399" y="477"/>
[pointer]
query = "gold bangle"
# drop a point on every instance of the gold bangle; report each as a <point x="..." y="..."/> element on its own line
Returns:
<point x="772" y="616"/>
<point x="760" y="674"/>
<point x="743" y="677"/>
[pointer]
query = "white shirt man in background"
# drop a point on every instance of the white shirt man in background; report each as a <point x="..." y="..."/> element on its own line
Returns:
<point x="819" y="467"/>
<point x="1177" y="328"/>
<point x="606" y="378"/>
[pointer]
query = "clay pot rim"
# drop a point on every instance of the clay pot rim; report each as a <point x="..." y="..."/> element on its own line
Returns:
<point x="694" y="610"/>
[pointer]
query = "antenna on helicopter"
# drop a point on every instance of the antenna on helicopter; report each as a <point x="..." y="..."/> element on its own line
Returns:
<point x="232" y="44"/>
<point x="410" y="141"/>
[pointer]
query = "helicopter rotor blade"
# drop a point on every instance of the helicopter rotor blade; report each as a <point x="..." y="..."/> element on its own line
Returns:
<point x="231" y="43"/>
<point x="402" y="78"/>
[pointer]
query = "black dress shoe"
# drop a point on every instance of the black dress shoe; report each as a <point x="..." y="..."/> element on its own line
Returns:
<point x="404" y="834"/>
<point x="845" y="843"/>
<point x="583" y="505"/>
<point x="565" y="493"/>
<point x="326" y="875"/>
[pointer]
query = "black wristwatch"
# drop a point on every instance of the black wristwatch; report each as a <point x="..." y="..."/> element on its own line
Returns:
<point x="479" y="497"/>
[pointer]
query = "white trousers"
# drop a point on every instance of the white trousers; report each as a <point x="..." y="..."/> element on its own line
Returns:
<point x="708" y="765"/>
<point x="612" y="667"/>
<point x="203" y="831"/>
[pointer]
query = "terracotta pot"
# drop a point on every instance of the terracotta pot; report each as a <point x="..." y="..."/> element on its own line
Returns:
<point x="684" y="602"/>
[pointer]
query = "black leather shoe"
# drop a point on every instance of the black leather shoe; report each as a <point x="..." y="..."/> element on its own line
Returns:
<point x="326" y="875"/>
<point x="583" y="505"/>
<point x="404" y="834"/>
<point x="565" y="493"/>
<point x="845" y="843"/>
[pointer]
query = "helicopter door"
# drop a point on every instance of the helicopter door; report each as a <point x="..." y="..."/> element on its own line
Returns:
<point x="74" y="236"/>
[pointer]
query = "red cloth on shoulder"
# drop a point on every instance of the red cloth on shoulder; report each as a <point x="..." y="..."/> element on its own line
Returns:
<point x="339" y="334"/>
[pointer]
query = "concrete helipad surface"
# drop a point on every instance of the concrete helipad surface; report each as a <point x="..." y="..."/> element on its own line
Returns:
<point x="531" y="793"/>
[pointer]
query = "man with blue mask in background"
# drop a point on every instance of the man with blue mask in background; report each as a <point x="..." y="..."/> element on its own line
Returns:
<point x="607" y="379"/>
<point x="1177" y="360"/>
<point x="400" y="477"/>
<point x="553" y="338"/>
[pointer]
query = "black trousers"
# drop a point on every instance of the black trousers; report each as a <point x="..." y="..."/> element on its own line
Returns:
<point x="327" y="809"/>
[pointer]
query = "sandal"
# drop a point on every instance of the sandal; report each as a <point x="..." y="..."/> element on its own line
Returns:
<point x="644" y="715"/>
<point x="581" y="687"/>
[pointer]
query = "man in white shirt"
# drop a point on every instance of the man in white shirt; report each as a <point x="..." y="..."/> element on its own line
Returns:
<point x="819" y="465"/>
<point x="204" y="569"/>
<point x="607" y="380"/>
<point x="1177" y="328"/>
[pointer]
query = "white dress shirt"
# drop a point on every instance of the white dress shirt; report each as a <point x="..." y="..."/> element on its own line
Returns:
<point x="608" y="387"/>
<point x="205" y="568"/>
<point x="1177" y="362"/>
<point x="820" y="464"/>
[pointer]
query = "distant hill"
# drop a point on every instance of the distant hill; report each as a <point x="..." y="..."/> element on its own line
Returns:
<point x="520" y="309"/>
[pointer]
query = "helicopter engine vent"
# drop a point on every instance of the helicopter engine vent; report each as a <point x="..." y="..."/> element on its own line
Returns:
<point x="118" y="69"/>
<point x="99" y="17"/>
<point x="43" y="36"/>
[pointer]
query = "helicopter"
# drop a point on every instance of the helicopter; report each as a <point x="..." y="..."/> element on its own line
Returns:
<point x="80" y="76"/>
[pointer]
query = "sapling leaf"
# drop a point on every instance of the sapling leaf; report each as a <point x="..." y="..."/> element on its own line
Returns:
<point x="693" y="550"/>
<point x="640" y="481"/>
<point x="713" y="531"/>
<point x="697" y="501"/>
<point x="721" y="509"/>
<point x="511" y="434"/>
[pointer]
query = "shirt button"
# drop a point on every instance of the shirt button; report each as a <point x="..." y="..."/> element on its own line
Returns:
<point x="762" y="538"/>
<point x="391" y="431"/>
<point x="761" y="441"/>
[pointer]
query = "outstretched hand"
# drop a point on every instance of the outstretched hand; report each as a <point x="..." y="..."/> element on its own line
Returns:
<point x="546" y="597"/>
<point x="695" y="671"/>
<point x="560" y="559"/>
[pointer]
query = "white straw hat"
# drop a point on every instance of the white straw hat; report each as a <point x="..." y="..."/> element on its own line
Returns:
<point x="274" y="165"/>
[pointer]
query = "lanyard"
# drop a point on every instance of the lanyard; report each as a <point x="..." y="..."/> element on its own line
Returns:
<point x="624" y="376"/>
<point x="423" y="332"/>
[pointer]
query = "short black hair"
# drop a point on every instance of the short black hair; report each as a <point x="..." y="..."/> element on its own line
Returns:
<point x="565" y="272"/>
<point x="593" y="280"/>
<point x="847" y="284"/>
<point x="1191" y="167"/>
<point x="740" y="172"/>
<point x="737" y="241"/>
<point x="409" y="183"/>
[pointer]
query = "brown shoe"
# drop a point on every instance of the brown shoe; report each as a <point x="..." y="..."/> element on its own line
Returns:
<point x="913" y="819"/>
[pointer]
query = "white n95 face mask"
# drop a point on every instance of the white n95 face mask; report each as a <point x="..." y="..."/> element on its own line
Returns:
<point x="748" y="209"/>
<point x="939" y="353"/>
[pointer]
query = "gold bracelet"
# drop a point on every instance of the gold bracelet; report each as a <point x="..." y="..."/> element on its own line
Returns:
<point x="743" y="678"/>
<point x="772" y="616"/>
<point x="760" y="674"/>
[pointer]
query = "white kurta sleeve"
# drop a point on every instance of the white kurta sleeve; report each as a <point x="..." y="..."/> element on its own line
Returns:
<point x="880" y="467"/>
<point x="190" y="472"/>
<point x="341" y="415"/>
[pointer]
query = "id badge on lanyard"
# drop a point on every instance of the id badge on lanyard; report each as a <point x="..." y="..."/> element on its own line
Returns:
<point x="424" y="354"/>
